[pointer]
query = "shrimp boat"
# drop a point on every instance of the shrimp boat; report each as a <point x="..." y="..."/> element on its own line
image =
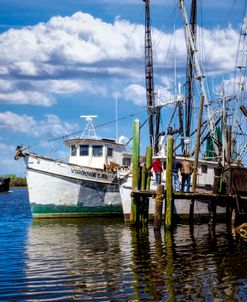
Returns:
<point x="220" y="129"/>
<point x="87" y="185"/>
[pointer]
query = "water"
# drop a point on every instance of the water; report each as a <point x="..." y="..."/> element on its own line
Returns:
<point x="106" y="260"/>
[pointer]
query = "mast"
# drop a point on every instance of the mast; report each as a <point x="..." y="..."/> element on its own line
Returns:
<point x="152" y="111"/>
<point x="180" y="116"/>
<point x="190" y="73"/>
<point x="239" y="110"/>
<point x="199" y="75"/>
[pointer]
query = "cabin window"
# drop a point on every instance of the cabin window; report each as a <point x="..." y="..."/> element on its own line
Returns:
<point x="109" y="151"/>
<point x="84" y="150"/>
<point x="73" y="150"/>
<point x="97" y="151"/>
<point x="204" y="169"/>
<point x="126" y="162"/>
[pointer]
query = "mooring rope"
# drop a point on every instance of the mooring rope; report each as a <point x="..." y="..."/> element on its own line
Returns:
<point x="159" y="198"/>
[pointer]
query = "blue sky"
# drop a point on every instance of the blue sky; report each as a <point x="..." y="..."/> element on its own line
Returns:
<point x="60" y="59"/>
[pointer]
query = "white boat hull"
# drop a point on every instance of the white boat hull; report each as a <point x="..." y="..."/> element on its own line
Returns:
<point x="60" y="189"/>
<point x="57" y="188"/>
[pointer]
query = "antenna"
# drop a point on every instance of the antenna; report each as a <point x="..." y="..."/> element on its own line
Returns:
<point x="89" y="131"/>
<point x="116" y="103"/>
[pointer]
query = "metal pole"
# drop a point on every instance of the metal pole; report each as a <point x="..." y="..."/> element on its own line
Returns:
<point x="116" y="119"/>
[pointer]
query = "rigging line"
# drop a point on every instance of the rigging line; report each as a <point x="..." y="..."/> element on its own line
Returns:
<point x="209" y="54"/>
<point x="79" y="131"/>
<point x="203" y="139"/>
<point x="175" y="12"/>
<point x="204" y="127"/>
<point x="160" y="37"/>
<point x="137" y="24"/>
<point x="240" y="74"/>
<point x="151" y="112"/>
<point x="168" y="51"/>
<point x="239" y="44"/>
<point x="174" y="111"/>
<point x="202" y="47"/>
<point x="174" y="51"/>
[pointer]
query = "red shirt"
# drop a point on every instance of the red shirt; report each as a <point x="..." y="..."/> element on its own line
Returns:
<point x="157" y="166"/>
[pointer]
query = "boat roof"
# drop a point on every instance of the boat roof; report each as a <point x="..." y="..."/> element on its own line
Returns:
<point x="104" y="141"/>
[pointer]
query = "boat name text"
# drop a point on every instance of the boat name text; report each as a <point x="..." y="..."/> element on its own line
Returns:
<point x="89" y="174"/>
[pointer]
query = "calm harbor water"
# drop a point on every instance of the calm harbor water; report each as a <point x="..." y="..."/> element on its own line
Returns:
<point x="106" y="260"/>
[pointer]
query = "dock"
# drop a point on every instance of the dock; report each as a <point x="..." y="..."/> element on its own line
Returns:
<point x="187" y="195"/>
<point x="229" y="191"/>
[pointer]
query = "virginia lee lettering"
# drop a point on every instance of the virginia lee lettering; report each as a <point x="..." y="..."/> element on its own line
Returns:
<point x="89" y="174"/>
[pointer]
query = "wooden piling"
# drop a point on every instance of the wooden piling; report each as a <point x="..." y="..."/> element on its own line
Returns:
<point x="135" y="170"/>
<point x="148" y="163"/>
<point x="146" y="179"/>
<point x="143" y="176"/>
<point x="158" y="207"/>
<point x="169" y="190"/>
<point x="141" y="203"/>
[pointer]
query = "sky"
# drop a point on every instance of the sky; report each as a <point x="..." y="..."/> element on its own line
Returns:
<point x="61" y="59"/>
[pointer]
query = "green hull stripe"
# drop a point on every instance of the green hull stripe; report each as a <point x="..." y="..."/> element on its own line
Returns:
<point x="52" y="210"/>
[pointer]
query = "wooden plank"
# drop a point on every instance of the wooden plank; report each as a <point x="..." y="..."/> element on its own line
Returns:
<point x="185" y="195"/>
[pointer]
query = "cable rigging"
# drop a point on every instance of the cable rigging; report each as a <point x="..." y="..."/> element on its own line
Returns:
<point x="66" y="136"/>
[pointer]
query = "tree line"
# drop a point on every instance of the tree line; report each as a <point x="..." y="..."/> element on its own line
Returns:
<point x="16" y="181"/>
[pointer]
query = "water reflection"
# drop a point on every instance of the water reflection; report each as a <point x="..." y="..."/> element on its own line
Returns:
<point x="106" y="260"/>
<point x="78" y="260"/>
<point x="15" y="223"/>
<point x="192" y="264"/>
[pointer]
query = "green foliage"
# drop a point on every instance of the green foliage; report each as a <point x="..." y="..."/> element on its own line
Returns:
<point x="18" y="182"/>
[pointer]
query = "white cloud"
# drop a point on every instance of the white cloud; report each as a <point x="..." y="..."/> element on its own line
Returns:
<point x="42" y="93"/>
<point x="220" y="49"/>
<point x="26" y="97"/>
<point x="80" y="38"/>
<point x="51" y="126"/>
<point x="232" y="87"/>
<point x="68" y="53"/>
<point x="135" y="94"/>
<point x="68" y="86"/>
<point x="26" y="68"/>
<point x="123" y="139"/>
<point x="5" y="85"/>
<point x="81" y="53"/>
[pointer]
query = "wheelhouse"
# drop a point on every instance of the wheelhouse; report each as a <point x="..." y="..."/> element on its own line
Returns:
<point x="97" y="153"/>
